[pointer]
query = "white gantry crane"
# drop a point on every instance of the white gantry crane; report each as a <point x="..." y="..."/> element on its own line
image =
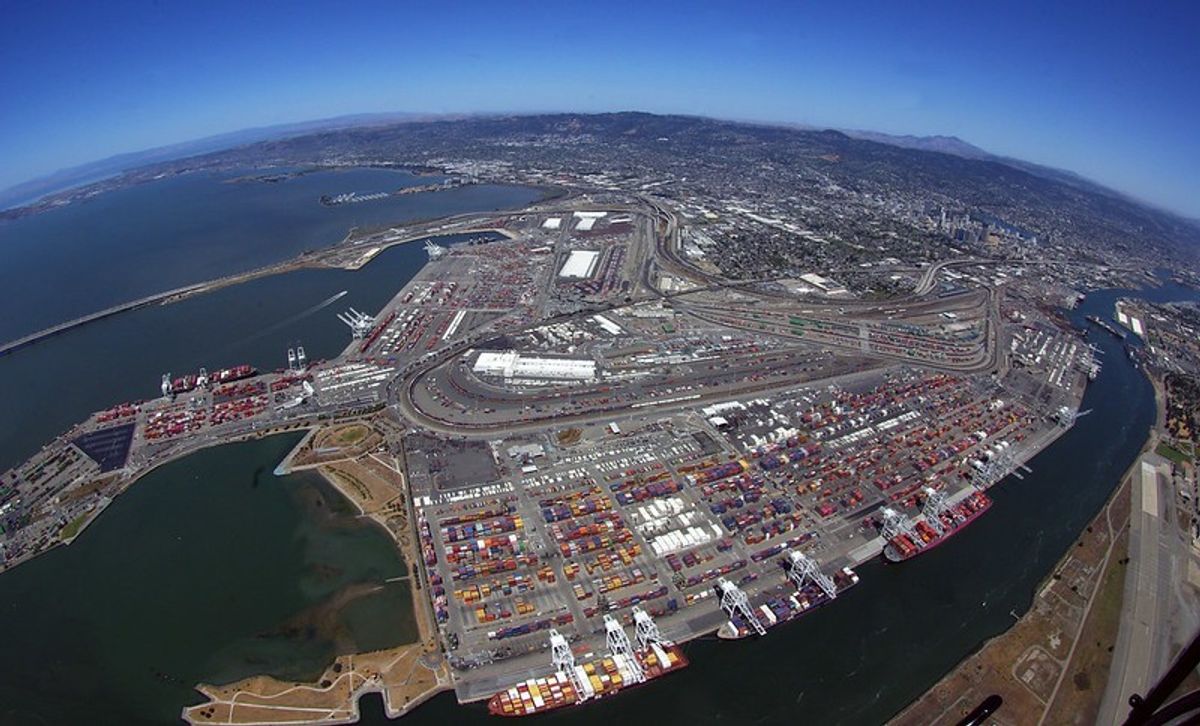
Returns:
<point x="618" y="644"/>
<point x="297" y="361"/>
<point x="360" y="323"/>
<point x="934" y="507"/>
<point x="434" y="251"/>
<point x="988" y="471"/>
<point x="1065" y="417"/>
<point x="995" y="464"/>
<point x="646" y="633"/>
<point x="564" y="660"/>
<point x="166" y="385"/>
<point x="733" y="600"/>
<point x="804" y="569"/>
<point x="895" y="524"/>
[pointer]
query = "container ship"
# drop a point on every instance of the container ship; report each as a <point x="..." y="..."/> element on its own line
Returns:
<point x="573" y="683"/>
<point x="814" y="590"/>
<point x="183" y="384"/>
<point x="907" y="539"/>
<point x="236" y="373"/>
<point x="192" y="381"/>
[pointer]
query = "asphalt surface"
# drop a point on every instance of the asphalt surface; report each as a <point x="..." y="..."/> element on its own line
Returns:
<point x="1143" y="647"/>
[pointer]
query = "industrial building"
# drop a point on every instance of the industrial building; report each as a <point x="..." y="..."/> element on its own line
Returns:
<point x="824" y="284"/>
<point x="512" y="365"/>
<point x="580" y="264"/>
<point x="587" y="220"/>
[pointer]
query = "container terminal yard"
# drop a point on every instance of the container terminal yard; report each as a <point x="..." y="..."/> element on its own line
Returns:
<point x="593" y="451"/>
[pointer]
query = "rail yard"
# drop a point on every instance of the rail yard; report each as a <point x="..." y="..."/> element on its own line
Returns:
<point x="595" y="436"/>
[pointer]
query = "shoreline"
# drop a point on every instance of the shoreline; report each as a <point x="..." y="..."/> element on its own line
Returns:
<point x="420" y="603"/>
<point x="85" y="191"/>
<point x="374" y="677"/>
<point x="324" y="257"/>
<point x="862" y="555"/>
<point x="961" y="668"/>
<point x="135" y="477"/>
<point x="127" y="479"/>
<point x="180" y="294"/>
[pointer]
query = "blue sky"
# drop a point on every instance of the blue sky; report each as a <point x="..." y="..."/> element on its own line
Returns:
<point x="1109" y="90"/>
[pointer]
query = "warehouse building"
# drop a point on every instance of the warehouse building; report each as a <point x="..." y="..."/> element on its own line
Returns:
<point x="512" y="365"/>
<point x="580" y="264"/>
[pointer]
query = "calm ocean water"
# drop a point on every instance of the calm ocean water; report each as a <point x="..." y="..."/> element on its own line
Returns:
<point x="129" y="243"/>
<point x="210" y="568"/>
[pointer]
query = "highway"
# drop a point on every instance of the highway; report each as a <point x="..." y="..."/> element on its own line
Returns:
<point x="400" y="390"/>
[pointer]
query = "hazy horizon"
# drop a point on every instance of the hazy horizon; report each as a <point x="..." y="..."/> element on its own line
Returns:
<point x="1095" y="89"/>
<point x="285" y="128"/>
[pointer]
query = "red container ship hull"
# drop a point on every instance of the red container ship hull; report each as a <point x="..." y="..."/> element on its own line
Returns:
<point x="977" y="504"/>
<point x="541" y="695"/>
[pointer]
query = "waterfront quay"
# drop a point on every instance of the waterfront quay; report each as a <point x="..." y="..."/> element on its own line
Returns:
<point x="563" y="426"/>
<point x="654" y="511"/>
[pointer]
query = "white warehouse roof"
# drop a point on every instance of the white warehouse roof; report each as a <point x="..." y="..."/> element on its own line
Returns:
<point x="511" y="364"/>
<point x="580" y="263"/>
<point x="587" y="220"/>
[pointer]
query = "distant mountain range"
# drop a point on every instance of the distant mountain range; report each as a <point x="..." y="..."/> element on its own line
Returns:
<point x="943" y="144"/>
<point x="957" y="147"/>
<point x="28" y="192"/>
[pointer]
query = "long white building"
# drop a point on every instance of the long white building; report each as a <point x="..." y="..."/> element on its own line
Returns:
<point x="512" y="365"/>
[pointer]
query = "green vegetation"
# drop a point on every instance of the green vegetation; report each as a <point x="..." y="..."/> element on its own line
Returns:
<point x="72" y="527"/>
<point x="350" y="435"/>
<point x="1170" y="452"/>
